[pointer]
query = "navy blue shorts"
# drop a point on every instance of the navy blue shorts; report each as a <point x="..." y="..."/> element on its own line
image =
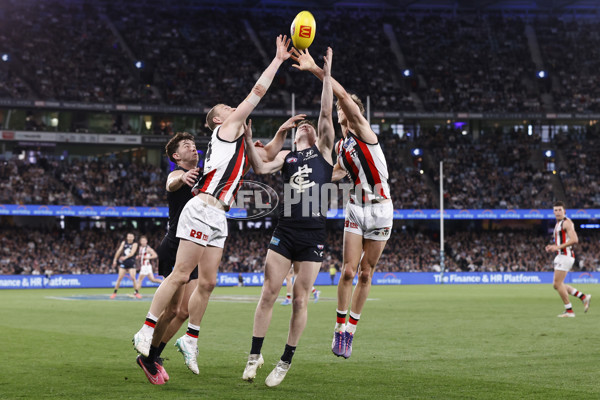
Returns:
<point x="299" y="244"/>
<point x="167" y="252"/>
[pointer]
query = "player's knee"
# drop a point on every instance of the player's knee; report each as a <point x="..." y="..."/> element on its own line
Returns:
<point x="178" y="278"/>
<point x="170" y="312"/>
<point x="207" y="285"/>
<point x="365" y="275"/>
<point x="182" y="313"/>
<point x="299" y="302"/>
<point x="556" y="285"/>
<point x="348" y="273"/>
<point x="270" y="293"/>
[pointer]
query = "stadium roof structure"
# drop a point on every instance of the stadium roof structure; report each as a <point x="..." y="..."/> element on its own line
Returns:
<point x="482" y="5"/>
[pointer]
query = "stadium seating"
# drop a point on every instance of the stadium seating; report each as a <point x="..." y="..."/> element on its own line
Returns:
<point x="451" y="62"/>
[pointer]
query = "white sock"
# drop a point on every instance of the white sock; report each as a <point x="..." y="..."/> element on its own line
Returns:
<point x="148" y="328"/>
<point x="355" y="316"/>
<point x="152" y="316"/>
<point x="567" y="306"/>
<point x="351" y="328"/>
<point x="572" y="293"/>
<point x="340" y="327"/>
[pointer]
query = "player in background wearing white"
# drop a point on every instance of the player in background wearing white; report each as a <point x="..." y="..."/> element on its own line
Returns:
<point x="202" y="226"/>
<point x="300" y="233"/>
<point x="369" y="212"/>
<point x="125" y="255"/>
<point x="146" y="254"/>
<point x="289" y="283"/>
<point x="564" y="239"/>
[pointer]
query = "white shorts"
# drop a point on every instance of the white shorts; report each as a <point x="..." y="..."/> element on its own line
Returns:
<point x="563" y="263"/>
<point x="373" y="221"/>
<point x="202" y="223"/>
<point x="146" y="269"/>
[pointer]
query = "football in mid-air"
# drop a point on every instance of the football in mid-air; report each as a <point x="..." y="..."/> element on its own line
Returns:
<point x="303" y="30"/>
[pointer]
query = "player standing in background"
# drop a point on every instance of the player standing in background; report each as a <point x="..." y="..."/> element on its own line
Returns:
<point x="202" y="224"/>
<point x="564" y="239"/>
<point x="369" y="212"/>
<point x="125" y="254"/>
<point x="300" y="234"/>
<point x="146" y="254"/>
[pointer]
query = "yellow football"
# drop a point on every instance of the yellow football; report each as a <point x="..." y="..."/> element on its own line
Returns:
<point x="303" y="30"/>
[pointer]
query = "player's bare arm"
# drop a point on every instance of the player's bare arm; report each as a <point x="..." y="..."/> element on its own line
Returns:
<point x="178" y="178"/>
<point x="260" y="167"/>
<point x="338" y="173"/>
<point x="325" y="129"/>
<point x="133" y="252"/>
<point x="357" y="122"/>
<point x="233" y="126"/>
<point x="151" y="254"/>
<point x="118" y="253"/>
<point x="271" y="149"/>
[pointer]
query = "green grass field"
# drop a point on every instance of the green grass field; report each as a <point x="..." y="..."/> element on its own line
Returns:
<point x="413" y="342"/>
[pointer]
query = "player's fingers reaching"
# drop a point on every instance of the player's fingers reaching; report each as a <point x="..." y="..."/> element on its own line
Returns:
<point x="248" y="129"/>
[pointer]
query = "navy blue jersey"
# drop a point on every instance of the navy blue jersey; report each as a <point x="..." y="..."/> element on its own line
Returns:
<point x="177" y="200"/>
<point x="304" y="206"/>
<point x="127" y="248"/>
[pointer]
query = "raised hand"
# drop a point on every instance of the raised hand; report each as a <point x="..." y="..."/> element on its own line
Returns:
<point x="248" y="132"/>
<point x="283" y="43"/>
<point x="327" y="65"/>
<point x="190" y="177"/>
<point x="292" y="122"/>
<point x="304" y="60"/>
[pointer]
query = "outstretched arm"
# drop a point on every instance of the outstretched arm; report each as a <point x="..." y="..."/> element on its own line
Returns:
<point x="272" y="148"/>
<point x="260" y="167"/>
<point x="178" y="178"/>
<point x="326" y="131"/>
<point x="357" y="121"/>
<point x="232" y="127"/>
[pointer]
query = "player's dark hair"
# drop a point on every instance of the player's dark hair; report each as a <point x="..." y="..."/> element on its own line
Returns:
<point x="559" y="204"/>
<point x="306" y="121"/>
<point x="173" y="144"/>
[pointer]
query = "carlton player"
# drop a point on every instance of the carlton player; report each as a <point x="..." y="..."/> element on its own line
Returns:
<point x="202" y="226"/>
<point x="564" y="239"/>
<point x="299" y="237"/>
<point x="369" y="212"/>
<point x="181" y="150"/>
<point x="125" y="255"/>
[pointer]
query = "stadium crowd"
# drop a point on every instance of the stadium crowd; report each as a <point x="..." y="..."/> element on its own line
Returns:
<point x="88" y="52"/>
<point x="495" y="170"/>
<point x="54" y="251"/>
